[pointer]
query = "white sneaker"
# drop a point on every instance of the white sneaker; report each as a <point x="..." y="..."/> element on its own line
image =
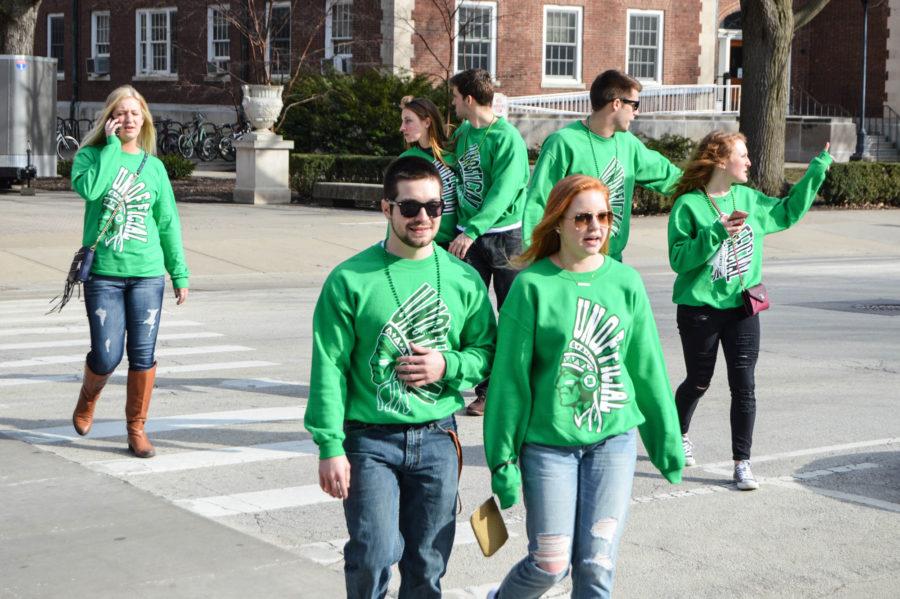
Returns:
<point x="744" y="477"/>
<point x="688" y="451"/>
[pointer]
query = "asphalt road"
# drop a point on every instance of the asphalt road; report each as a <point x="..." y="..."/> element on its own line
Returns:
<point x="235" y="474"/>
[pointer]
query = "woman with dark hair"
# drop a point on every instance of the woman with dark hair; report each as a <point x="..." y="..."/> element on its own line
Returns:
<point x="129" y="204"/>
<point x="716" y="233"/>
<point x="425" y="131"/>
<point x="578" y="366"/>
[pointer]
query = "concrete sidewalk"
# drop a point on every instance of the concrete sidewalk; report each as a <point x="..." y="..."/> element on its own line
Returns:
<point x="115" y="540"/>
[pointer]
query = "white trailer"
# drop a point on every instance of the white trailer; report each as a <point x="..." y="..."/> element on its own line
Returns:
<point x="27" y="116"/>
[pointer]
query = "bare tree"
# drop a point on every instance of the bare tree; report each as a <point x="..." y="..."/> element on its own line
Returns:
<point x="769" y="27"/>
<point x="17" y="23"/>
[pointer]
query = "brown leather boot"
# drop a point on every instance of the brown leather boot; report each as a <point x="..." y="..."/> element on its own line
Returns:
<point x="91" y="386"/>
<point x="137" y="402"/>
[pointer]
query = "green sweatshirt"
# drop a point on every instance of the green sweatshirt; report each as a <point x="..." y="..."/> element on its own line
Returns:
<point x="447" y="232"/>
<point x="706" y="262"/>
<point x="619" y="161"/>
<point x="575" y="365"/>
<point x="493" y="167"/>
<point x="144" y="240"/>
<point x="359" y="331"/>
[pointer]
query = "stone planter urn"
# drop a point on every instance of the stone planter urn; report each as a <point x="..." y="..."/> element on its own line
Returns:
<point x="263" y="158"/>
<point x="262" y="104"/>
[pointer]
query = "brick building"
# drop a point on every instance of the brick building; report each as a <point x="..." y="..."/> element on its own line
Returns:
<point x="185" y="55"/>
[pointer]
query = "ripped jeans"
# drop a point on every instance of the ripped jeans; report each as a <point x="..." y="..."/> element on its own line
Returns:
<point x="701" y="329"/>
<point x="117" y="305"/>
<point x="576" y="502"/>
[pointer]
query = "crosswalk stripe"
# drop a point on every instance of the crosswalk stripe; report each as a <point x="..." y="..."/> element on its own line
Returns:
<point x="73" y="317"/>
<point x="162" y="424"/>
<point x="191" y="460"/>
<point x="255" y="502"/>
<point x="164" y="352"/>
<point x="22" y="304"/>
<point x="69" y="329"/>
<point x="87" y="342"/>
<point x="17" y="380"/>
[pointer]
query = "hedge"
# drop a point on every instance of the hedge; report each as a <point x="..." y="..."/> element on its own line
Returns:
<point x="307" y="169"/>
<point x="64" y="168"/>
<point x="862" y="184"/>
<point x="177" y="166"/>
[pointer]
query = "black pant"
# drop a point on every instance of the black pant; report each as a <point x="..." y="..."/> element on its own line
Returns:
<point x="701" y="329"/>
<point x="490" y="255"/>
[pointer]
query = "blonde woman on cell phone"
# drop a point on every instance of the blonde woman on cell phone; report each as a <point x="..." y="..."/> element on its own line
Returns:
<point x="128" y="200"/>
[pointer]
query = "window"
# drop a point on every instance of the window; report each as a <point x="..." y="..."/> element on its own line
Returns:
<point x="476" y="41"/>
<point x="645" y="47"/>
<point x="339" y="34"/>
<point x="155" y="49"/>
<point x="562" y="44"/>
<point x="56" y="43"/>
<point x="218" y="42"/>
<point x="279" y="47"/>
<point x="98" y="63"/>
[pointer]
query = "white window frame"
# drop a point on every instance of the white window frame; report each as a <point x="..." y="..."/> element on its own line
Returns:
<point x="556" y="80"/>
<point x="660" y="43"/>
<point x="274" y="5"/>
<point x="477" y="4"/>
<point x="60" y="64"/>
<point x="167" y="73"/>
<point x="94" y="53"/>
<point x="211" y="55"/>
<point x="338" y="59"/>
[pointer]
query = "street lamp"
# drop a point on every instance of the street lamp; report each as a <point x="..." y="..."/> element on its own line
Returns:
<point x="860" y="153"/>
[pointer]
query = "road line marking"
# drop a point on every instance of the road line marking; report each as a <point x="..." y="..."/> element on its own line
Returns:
<point x="103" y="430"/>
<point x="330" y="552"/>
<point x="123" y="372"/>
<point x="254" y="502"/>
<point x="716" y="468"/>
<point x="858" y="499"/>
<point x="44" y="318"/>
<point x="166" y="351"/>
<point x="729" y="486"/>
<point x="87" y="342"/>
<point x="70" y="329"/>
<point x="192" y="460"/>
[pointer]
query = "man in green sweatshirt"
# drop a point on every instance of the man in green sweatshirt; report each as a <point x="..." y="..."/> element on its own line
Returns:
<point x="493" y="166"/>
<point x="398" y="331"/>
<point x="601" y="146"/>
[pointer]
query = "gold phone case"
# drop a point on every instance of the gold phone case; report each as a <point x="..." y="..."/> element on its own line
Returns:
<point x="489" y="528"/>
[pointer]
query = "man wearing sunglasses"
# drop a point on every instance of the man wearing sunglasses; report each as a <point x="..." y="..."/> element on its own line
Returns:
<point x="601" y="146"/>
<point x="398" y="331"/>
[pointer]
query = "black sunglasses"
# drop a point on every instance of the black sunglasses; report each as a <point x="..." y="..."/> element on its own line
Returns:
<point x="636" y="104"/>
<point x="411" y="208"/>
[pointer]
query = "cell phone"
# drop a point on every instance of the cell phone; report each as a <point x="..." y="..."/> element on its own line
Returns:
<point x="738" y="215"/>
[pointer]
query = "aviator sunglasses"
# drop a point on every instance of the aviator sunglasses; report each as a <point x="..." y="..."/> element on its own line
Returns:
<point x="410" y="208"/>
<point x="583" y="219"/>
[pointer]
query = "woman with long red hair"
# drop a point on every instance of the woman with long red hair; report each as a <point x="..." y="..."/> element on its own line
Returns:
<point x="716" y="233"/>
<point x="578" y="367"/>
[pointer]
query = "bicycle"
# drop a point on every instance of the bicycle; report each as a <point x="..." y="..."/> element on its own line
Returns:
<point x="167" y="134"/>
<point x="66" y="145"/>
<point x="229" y="135"/>
<point x="197" y="138"/>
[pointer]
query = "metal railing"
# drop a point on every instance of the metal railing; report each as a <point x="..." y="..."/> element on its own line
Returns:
<point x="723" y="99"/>
<point x="883" y="132"/>
<point x="802" y="103"/>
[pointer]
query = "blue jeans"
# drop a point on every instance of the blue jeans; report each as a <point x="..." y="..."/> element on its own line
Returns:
<point x="116" y="306"/>
<point x="403" y="483"/>
<point x="576" y="501"/>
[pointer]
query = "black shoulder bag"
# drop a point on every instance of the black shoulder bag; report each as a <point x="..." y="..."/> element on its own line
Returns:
<point x="80" y="268"/>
